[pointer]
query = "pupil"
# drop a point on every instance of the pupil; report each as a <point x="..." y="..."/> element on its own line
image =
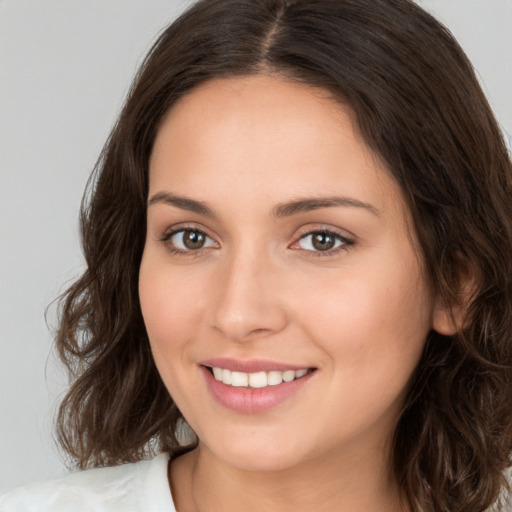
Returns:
<point x="323" y="241"/>
<point x="193" y="240"/>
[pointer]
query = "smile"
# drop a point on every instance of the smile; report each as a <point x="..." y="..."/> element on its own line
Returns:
<point x="261" y="387"/>
<point x="256" y="380"/>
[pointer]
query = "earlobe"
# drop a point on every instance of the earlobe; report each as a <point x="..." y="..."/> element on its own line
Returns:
<point x="445" y="320"/>
<point x="451" y="317"/>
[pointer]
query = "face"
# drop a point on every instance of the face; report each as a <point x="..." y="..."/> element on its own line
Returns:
<point x="283" y="298"/>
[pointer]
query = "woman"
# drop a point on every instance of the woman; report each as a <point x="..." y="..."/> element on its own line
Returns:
<point x="297" y="243"/>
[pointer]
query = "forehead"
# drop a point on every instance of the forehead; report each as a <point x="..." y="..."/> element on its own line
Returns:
<point x="254" y="134"/>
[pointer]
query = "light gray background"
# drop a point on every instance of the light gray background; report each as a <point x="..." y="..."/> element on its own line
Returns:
<point x="65" y="66"/>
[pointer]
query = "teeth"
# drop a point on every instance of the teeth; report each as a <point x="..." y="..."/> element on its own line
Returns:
<point x="274" y="378"/>
<point x="258" y="379"/>
<point x="218" y="372"/>
<point x="288" y="375"/>
<point x="226" y="376"/>
<point x="239" y="379"/>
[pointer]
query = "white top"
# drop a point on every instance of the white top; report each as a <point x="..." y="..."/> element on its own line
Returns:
<point x="141" y="486"/>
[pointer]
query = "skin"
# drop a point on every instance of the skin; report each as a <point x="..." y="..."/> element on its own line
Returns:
<point x="359" y="313"/>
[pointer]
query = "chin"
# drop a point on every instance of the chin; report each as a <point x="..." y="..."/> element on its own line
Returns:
<point x="260" y="461"/>
<point x="254" y="453"/>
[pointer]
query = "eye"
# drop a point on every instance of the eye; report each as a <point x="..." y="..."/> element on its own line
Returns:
<point x="322" y="241"/>
<point x="187" y="240"/>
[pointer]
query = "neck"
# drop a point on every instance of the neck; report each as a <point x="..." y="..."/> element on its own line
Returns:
<point x="350" y="483"/>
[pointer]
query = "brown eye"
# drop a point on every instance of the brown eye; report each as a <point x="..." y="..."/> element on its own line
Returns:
<point x="193" y="239"/>
<point x="190" y="240"/>
<point x="321" y="241"/>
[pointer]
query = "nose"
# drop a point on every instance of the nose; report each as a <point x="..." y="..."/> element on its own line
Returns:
<point x="249" y="302"/>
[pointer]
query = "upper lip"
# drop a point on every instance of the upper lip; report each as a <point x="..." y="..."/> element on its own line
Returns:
<point x="250" y="366"/>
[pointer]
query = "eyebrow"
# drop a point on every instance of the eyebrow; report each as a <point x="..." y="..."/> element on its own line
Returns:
<point x="279" y="211"/>
<point x="183" y="203"/>
<point x="315" y="203"/>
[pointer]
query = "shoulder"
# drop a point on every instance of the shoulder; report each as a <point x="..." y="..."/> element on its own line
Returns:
<point x="504" y="503"/>
<point x="131" y="487"/>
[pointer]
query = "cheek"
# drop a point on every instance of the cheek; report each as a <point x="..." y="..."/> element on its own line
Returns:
<point x="170" y="306"/>
<point x="373" y="325"/>
<point x="171" y="313"/>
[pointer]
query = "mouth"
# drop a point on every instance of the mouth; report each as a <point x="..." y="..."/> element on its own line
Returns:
<point x="256" y="380"/>
<point x="263" y="386"/>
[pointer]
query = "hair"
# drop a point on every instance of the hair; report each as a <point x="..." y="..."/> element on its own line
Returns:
<point x="418" y="105"/>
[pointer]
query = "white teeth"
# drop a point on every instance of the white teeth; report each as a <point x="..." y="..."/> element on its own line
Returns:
<point x="274" y="378"/>
<point x="218" y="372"/>
<point x="288" y="375"/>
<point x="226" y="376"/>
<point x="258" y="379"/>
<point x="239" y="379"/>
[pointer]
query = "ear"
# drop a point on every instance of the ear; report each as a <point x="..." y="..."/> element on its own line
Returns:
<point x="450" y="318"/>
<point x="446" y="320"/>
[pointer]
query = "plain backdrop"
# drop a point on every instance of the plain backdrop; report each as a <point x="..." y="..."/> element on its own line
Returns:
<point x="65" y="67"/>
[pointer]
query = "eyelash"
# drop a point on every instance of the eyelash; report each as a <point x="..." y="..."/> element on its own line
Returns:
<point x="346" y="243"/>
<point x="179" y="252"/>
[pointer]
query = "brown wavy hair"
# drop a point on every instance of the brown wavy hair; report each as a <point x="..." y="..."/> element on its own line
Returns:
<point x="419" y="106"/>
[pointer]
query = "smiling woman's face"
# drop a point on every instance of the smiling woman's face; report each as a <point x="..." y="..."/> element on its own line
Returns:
<point x="278" y="248"/>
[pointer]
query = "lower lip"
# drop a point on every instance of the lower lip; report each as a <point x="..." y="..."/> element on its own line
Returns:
<point x="252" y="400"/>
